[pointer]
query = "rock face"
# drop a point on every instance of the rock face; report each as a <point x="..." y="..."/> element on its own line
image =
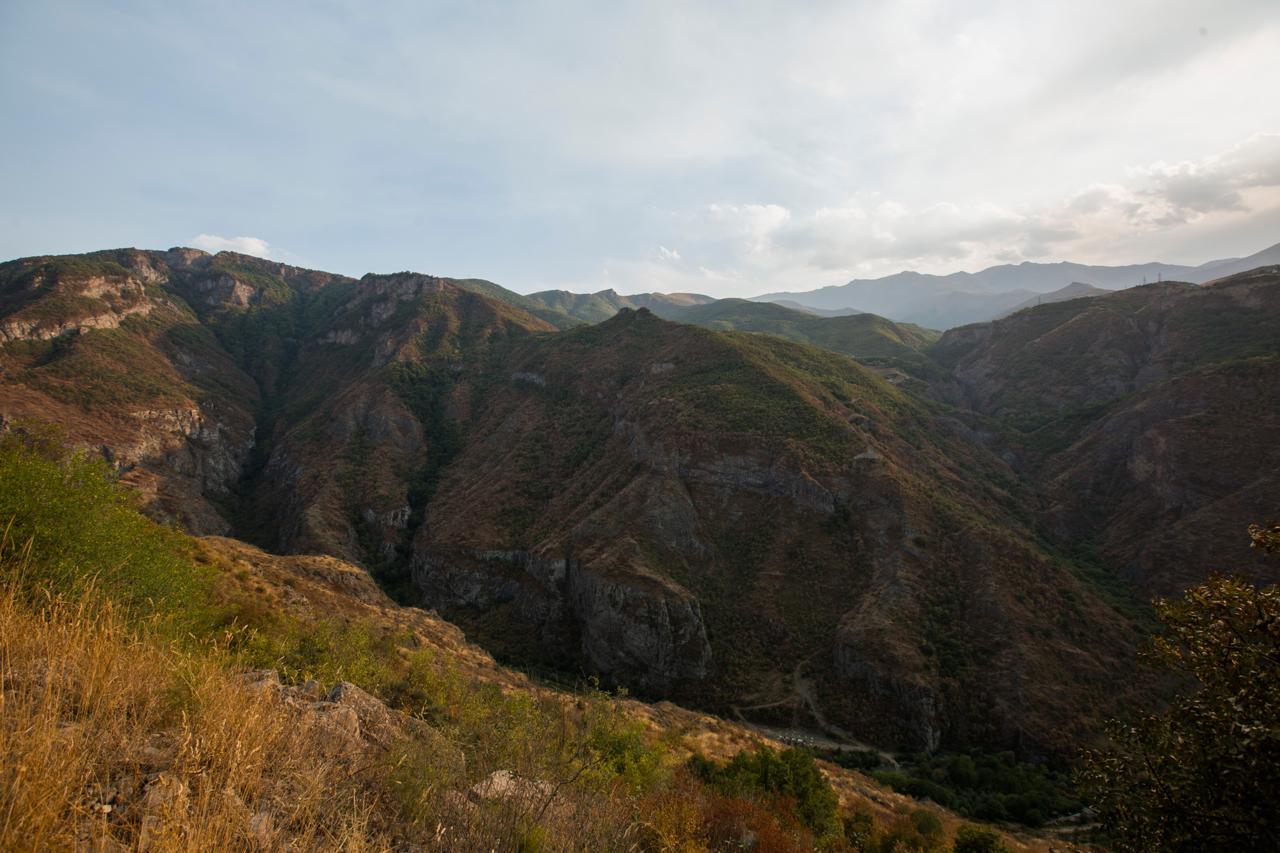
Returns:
<point x="639" y="631"/>
<point x="751" y="524"/>
<point x="105" y="346"/>
<point x="650" y="634"/>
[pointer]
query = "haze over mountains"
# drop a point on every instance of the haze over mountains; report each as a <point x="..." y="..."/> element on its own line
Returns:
<point x="844" y="523"/>
<point x="928" y="301"/>
<point x="944" y="301"/>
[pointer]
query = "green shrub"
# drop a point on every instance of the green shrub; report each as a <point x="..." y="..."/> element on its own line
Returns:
<point x="926" y="823"/>
<point x="325" y="651"/>
<point x="84" y="534"/>
<point x="790" y="775"/>
<point x="976" y="839"/>
<point x="622" y="747"/>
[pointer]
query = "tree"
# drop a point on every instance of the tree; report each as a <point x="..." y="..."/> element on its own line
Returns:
<point x="1204" y="774"/>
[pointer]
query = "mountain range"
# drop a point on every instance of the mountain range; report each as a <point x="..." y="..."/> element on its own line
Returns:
<point x="841" y="523"/>
<point x="945" y="301"/>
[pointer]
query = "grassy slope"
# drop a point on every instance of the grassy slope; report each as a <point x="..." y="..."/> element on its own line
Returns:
<point x="555" y="314"/>
<point x="140" y="724"/>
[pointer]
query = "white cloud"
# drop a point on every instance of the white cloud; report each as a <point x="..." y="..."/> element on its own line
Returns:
<point x="768" y="246"/>
<point x="255" y="246"/>
<point x="669" y="255"/>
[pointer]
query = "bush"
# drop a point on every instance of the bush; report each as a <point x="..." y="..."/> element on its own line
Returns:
<point x="975" y="839"/>
<point x="926" y="823"/>
<point x="790" y="775"/>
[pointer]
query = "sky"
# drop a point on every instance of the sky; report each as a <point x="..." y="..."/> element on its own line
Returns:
<point x="722" y="148"/>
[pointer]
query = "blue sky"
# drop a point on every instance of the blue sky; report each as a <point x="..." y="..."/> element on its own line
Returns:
<point x="724" y="148"/>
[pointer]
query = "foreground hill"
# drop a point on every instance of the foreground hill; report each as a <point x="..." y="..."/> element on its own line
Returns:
<point x="165" y="693"/>
<point x="1148" y="417"/>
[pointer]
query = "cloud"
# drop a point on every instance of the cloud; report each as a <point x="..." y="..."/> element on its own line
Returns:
<point x="255" y="246"/>
<point x="729" y="245"/>
<point x="669" y="255"/>
<point x="539" y="143"/>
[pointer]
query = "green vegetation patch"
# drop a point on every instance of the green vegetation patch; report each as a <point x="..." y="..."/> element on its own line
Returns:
<point x="790" y="778"/>
<point x="80" y="533"/>
<point x="986" y="786"/>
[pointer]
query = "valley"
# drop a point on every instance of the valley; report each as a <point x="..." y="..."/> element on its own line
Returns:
<point x="957" y="559"/>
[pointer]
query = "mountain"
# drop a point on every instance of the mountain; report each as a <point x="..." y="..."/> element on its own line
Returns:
<point x="594" y="307"/>
<point x="1146" y="417"/>
<point x="868" y="338"/>
<point x="1074" y="290"/>
<point x="944" y="301"/>
<point x="751" y="523"/>
<point x="200" y="692"/>
<point x="696" y="510"/>
<point x="821" y="312"/>
<point x="871" y="339"/>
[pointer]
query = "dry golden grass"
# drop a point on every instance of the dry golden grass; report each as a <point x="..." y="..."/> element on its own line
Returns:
<point x="114" y="737"/>
<point x="108" y="739"/>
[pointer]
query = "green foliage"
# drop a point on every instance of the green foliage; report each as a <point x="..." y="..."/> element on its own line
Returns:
<point x="986" y="786"/>
<point x="920" y="831"/>
<point x="325" y="651"/>
<point x="789" y="776"/>
<point x="1203" y="774"/>
<point x="84" y="535"/>
<point x="977" y="839"/>
<point x="860" y="832"/>
<point x="852" y="759"/>
<point x="926" y="823"/>
<point x="622" y="746"/>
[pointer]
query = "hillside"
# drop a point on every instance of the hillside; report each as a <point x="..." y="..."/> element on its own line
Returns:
<point x="868" y="338"/>
<point x="595" y="307"/>
<point x="1147" y="417"/>
<point x="598" y="500"/>
<point x="163" y="692"/>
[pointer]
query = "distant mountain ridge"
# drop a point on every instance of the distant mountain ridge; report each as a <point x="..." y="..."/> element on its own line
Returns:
<point x="1074" y="290"/>
<point x="945" y="301"/>
<point x="867" y="337"/>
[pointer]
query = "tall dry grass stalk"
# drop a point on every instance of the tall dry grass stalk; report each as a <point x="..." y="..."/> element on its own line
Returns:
<point x="108" y="738"/>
